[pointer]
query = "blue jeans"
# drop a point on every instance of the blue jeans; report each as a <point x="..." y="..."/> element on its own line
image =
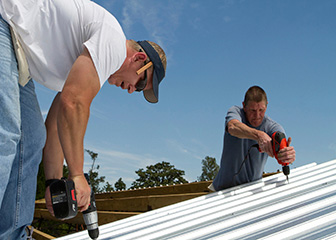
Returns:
<point x="22" y="137"/>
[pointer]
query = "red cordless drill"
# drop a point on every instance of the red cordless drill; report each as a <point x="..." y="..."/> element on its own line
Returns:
<point x="279" y="142"/>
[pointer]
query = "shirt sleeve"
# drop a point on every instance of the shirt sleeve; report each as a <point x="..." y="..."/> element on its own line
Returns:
<point x="234" y="112"/>
<point x="272" y="126"/>
<point x="107" y="48"/>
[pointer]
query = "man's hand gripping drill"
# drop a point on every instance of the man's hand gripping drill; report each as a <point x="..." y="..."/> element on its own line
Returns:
<point x="279" y="142"/>
<point x="64" y="204"/>
<point x="281" y="150"/>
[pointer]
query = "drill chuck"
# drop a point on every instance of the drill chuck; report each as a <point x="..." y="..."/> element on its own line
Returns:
<point x="90" y="215"/>
<point x="91" y="222"/>
<point x="285" y="170"/>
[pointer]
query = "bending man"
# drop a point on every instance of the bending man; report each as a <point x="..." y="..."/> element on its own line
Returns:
<point x="72" y="47"/>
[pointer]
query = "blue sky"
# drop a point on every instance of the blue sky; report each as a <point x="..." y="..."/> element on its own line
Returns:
<point x="216" y="50"/>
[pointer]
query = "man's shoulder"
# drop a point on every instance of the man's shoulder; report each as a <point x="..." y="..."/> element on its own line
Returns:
<point x="235" y="108"/>
<point x="270" y="125"/>
<point x="268" y="120"/>
<point x="235" y="112"/>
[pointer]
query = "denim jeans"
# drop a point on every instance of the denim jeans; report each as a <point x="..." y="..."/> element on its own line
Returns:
<point x="22" y="137"/>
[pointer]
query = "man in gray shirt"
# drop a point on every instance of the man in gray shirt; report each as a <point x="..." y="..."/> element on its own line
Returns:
<point x="244" y="128"/>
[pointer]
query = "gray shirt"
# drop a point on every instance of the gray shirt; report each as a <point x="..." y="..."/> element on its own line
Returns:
<point x="232" y="170"/>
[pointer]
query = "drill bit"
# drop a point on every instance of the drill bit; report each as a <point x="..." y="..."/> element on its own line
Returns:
<point x="286" y="170"/>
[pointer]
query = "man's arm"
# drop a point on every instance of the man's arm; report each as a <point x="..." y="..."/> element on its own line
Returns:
<point x="241" y="130"/>
<point x="53" y="157"/>
<point x="52" y="153"/>
<point x="72" y="110"/>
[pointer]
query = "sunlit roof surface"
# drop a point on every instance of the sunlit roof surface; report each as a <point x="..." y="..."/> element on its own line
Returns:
<point x="304" y="208"/>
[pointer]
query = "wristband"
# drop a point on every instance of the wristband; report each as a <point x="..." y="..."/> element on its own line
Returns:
<point x="50" y="181"/>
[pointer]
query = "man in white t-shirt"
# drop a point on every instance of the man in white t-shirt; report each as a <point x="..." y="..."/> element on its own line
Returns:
<point x="73" y="47"/>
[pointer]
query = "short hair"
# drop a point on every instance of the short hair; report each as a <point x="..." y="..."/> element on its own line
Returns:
<point x="256" y="94"/>
<point x="133" y="44"/>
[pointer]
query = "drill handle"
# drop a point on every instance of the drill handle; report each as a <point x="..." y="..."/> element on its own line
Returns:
<point x="279" y="142"/>
<point x="92" y="207"/>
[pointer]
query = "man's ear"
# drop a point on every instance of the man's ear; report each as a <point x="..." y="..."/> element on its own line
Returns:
<point x="139" y="56"/>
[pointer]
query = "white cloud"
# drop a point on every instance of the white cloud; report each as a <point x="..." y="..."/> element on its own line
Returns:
<point x="115" y="164"/>
<point x="178" y="146"/>
<point x="134" y="160"/>
<point x="98" y="113"/>
<point x="160" y="20"/>
<point x="128" y="14"/>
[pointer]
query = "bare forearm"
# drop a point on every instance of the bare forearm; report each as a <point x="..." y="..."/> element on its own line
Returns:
<point x="53" y="157"/>
<point x="72" y="122"/>
<point x="53" y="160"/>
<point x="241" y="130"/>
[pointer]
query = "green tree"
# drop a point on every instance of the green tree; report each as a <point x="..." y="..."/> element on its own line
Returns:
<point x="41" y="180"/>
<point x="40" y="191"/>
<point x="108" y="187"/>
<point x="120" y="185"/>
<point x="65" y="171"/>
<point x="159" y="174"/>
<point x="95" y="180"/>
<point x="209" y="169"/>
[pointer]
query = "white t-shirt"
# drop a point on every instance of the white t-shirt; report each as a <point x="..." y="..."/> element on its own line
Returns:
<point x="53" y="34"/>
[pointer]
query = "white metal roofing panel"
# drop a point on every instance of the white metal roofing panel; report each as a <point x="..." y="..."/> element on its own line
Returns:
<point x="304" y="208"/>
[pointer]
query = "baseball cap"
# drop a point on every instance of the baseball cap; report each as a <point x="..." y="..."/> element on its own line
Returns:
<point x="152" y="95"/>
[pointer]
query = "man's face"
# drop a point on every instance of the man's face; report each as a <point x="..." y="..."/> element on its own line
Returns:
<point x="129" y="79"/>
<point x="255" y="112"/>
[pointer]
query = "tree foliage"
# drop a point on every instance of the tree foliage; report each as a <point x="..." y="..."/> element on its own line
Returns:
<point x="40" y="191"/>
<point x="108" y="187"/>
<point x="209" y="169"/>
<point x="120" y="185"/>
<point x="95" y="180"/>
<point x="159" y="174"/>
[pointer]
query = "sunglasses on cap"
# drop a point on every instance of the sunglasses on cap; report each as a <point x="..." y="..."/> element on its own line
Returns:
<point x="141" y="84"/>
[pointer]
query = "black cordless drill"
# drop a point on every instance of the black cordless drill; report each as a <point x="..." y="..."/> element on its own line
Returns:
<point x="64" y="203"/>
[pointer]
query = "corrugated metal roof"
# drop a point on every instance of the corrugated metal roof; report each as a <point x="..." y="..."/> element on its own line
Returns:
<point x="304" y="208"/>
